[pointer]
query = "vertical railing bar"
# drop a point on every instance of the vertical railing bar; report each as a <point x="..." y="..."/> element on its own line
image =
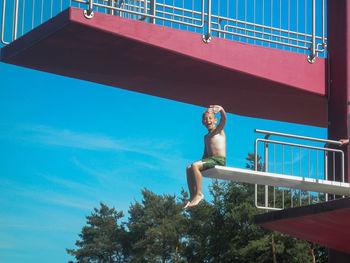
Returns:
<point x="274" y="170"/>
<point x="256" y="168"/>
<point x="51" y="8"/>
<point x="317" y="164"/>
<point x="289" y="10"/>
<point x="209" y="19"/>
<point x="219" y="22"/>
<point x="282" y="159"/>
<point x="15" y="20"/>
<point x="291" y="160"/>
<point x="274" y="158"/>
<point x="305" y="24"/>
<point x="326" y="170"/>
<point x="193" y="13"/>
<point x="297" y="36"/>
<point x="227" y="13"/>
<point x="300" y="162"/>
<point x="312" y="55"/>
<point x="323" y="24"/>
<point x="342" y="167"/>
<point x="271" y="22"/>
<point x="333" y="169"/>
<point x="263" y="18"/>
<point x="245" y="19"/>
<point x="24" y="4"/>
<point x="42" y="11"/>
<point x="152" y="10"/>
<point x="152" y="1"/>
<point x="3" y="20"/>
<point x="266" y="170"/>
<point x="239" y="38"/>
<point x="300" y="201"/>
<point x="33" y="14"/>
<point x="183" y="11"/>
<point x="308" y="170"/>
<point x="173" y="17"/>
<point x="291" y="198"/>
<point x="254" y="22"/>
<point x="280" y="20"/>
<point x="308" y="162"/>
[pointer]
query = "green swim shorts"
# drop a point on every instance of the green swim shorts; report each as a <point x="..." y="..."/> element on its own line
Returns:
<point x="212" y="161"/>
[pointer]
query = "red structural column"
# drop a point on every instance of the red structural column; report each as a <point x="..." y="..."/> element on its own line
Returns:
<point x="338" y="42"/>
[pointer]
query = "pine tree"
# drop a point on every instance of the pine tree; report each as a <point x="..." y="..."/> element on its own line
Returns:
<point x="102" y="239"/>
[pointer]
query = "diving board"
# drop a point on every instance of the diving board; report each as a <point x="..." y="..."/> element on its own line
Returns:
<point x="278" y="180"/>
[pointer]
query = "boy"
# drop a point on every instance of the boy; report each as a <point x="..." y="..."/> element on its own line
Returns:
<point x="214" y="153"/>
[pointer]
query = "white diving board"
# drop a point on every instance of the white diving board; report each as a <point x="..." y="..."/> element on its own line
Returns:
<point x="278" y="180"/>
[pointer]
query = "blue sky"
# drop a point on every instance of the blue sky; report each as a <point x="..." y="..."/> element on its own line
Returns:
<point x="68" y="144"/>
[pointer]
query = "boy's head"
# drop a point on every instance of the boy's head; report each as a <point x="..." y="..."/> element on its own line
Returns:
<point x="209" y="120"/>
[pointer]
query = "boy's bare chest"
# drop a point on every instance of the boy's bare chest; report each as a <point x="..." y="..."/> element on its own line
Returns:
<point x="216" y="139"/>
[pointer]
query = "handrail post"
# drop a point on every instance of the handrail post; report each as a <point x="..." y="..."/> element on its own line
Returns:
<point x="145" y="7"/>
<point x="256" y="168"/>
<point x="3" y="23"/>
<point x="15" y="20"/>
<point x="111" y="3"/>
<point x="152" y="10"/>
<point x="89" y="13"/>
<point x="326" y="168"/>
<point x="266" y="153"/>
<point x="324" y="45"/>
<point x="312" y="57"/>
<point x="207" y="38"/>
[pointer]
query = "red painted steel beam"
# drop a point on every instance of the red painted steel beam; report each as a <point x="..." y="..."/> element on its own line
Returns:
<point x="326" y="223"/>
<point x="246" y="79"/>
<point x="338" y="34"/>
<point x="339" y="64"/>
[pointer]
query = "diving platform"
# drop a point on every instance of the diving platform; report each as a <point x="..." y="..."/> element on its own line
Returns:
<point x="244" y="78"/>
<point x="272" y="179"/>
<point x="325" y="223"/>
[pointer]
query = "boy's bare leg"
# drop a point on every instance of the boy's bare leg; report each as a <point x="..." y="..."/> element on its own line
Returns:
<point x="191" y="184"/>
<point x="196" y="170"/>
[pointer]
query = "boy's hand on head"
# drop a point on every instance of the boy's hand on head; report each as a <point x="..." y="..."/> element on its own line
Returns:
<point x="214" y="108"/>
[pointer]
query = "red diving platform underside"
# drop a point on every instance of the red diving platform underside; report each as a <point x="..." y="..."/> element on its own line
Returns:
<point x="326" y="223"/>
<point x="246" y="79"/>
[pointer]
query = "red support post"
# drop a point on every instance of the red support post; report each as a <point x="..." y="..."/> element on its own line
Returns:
<point x="338" y="42"/>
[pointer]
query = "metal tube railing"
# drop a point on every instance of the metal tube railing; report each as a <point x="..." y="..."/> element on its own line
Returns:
<point x="293" y="136"/>
<point x="312" y="56"/>
<point x="237" y="25"/>
<point x="317" y="173"/>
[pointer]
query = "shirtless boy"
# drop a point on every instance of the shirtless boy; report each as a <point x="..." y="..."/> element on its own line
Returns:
<point x="214" y="153"/>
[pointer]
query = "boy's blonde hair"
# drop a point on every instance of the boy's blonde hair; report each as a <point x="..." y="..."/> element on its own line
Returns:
<point x="206" y="111"/>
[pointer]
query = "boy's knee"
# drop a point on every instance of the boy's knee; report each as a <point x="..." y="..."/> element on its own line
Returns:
<point x="196" y="165"/>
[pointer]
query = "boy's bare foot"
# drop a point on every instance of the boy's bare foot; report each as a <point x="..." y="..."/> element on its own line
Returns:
<point x="187" y="205"/>
<point x="196" y="200"/>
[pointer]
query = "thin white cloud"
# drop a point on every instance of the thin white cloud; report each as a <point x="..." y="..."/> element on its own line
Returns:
<point x="69" y="184"/>
<point x="47" y="196"/>
<point x="48" y="135"/>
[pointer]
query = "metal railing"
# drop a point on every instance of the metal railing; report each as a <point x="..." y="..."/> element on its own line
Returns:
<point x="295" y="25"/>
<point x="303" y="160"/>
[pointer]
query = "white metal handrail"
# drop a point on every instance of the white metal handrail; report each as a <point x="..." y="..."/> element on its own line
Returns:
<point x="305" y="173"/>
<point x="232" y="19"/>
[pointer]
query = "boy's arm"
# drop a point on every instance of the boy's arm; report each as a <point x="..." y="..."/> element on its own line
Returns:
<point x="217" y="109"/>
<point x="205" y="154"/>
